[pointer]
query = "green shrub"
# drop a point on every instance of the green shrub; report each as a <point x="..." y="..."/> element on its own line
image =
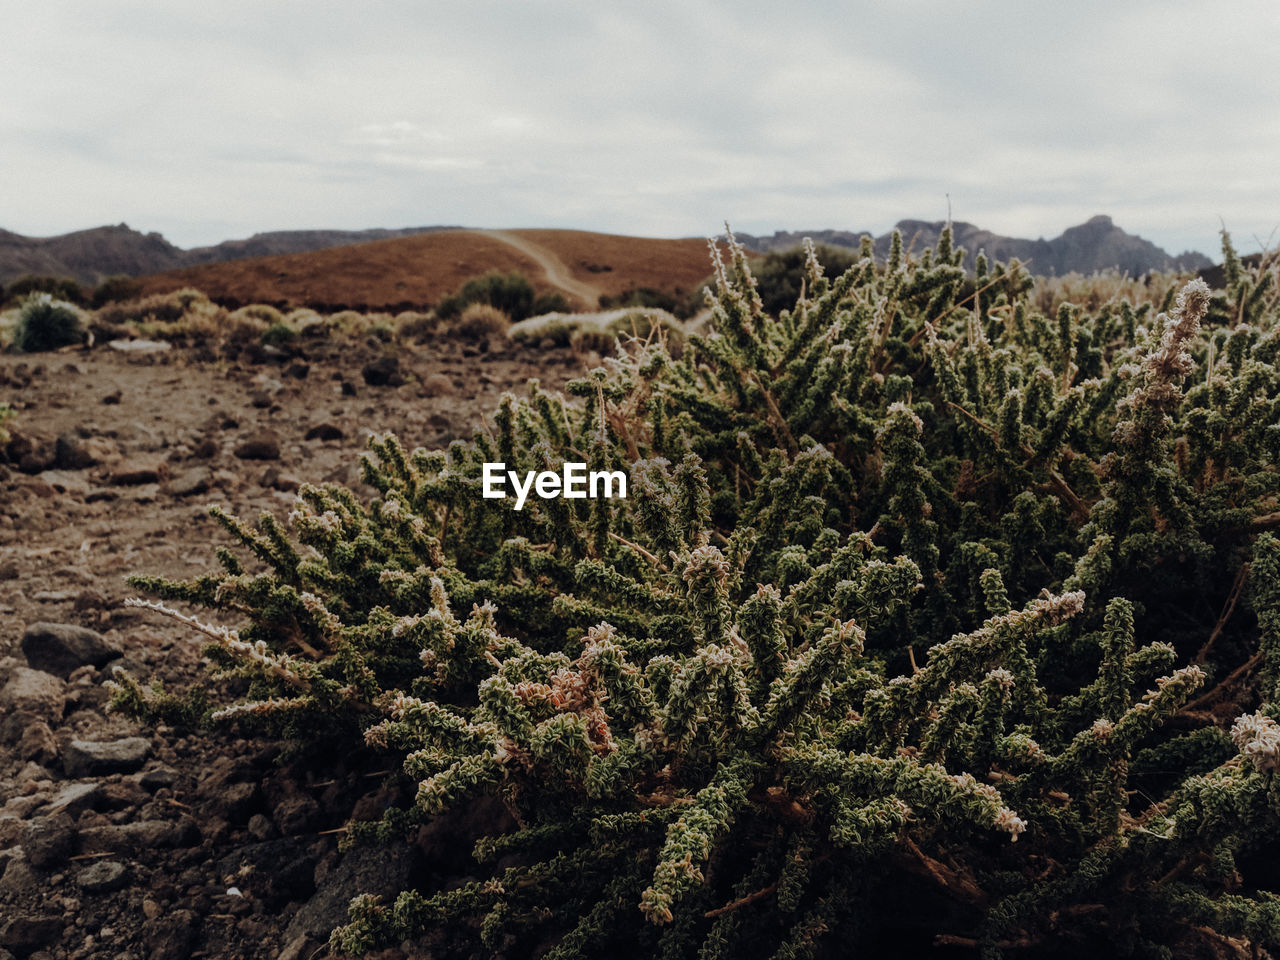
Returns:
<point x="509" y="292"/>
<point x="46" y="324"/>
<point x="903" y="576"/>
<point x="279" y="333"/>
<point x="61" y="288"/>
<point x="113" y="290"/>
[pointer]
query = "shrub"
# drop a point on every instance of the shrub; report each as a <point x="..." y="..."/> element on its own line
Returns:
<point x="61" y="288"/>
<point x="416" y="326"/>
<point x="279" y="333"/>
<point x="115" y="289"/>
<point x="901" y="636"/>
<point x="649" y="297"/>
<point x="510" y="292"/>
<point x="6" y="414"/>
<point x="46" y="324"/>
<point x="479" y="321"/>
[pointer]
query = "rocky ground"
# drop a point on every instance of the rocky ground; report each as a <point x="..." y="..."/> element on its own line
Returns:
<point x="123" y="841"/>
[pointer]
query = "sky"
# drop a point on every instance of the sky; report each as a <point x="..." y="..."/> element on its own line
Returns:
<point x="208" y="121"/>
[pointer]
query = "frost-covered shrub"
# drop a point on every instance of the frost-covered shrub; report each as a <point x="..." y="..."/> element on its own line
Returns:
<point x="928" y="620"/>
<point x="46" y="324"/>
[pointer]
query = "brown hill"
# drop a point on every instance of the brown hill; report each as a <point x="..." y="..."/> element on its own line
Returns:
<point x="418" y="271"/>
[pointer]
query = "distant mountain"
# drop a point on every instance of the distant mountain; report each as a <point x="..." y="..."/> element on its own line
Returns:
<point x="1097" y="244"/>
<point x="90" y="255"/>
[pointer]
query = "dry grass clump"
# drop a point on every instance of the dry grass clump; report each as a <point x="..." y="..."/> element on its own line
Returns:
<point x="600" y="331"/>
<point x="1095" y="290"/>
<point x="437" y="385"/>
<point x="480" y="321"/>
<point x="416" y="326"/>
<point x="167" y="316"/>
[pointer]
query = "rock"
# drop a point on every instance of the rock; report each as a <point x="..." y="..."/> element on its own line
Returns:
<point x="384" y="871"/>
<point x="9" y="570"/>
<point x="66" y="482"/>
<point x="84" y="758"/>
<point x="134" y="472"/>
<point x="59" y="648"/>
<point x="34" y="691"/>
<point x="192" y="481"/>
<point x="294" y="812"/>
<point x="383" y="372"/>
<point x="74" y="798"/>
<point x="261" y="446"/>
<point x="140" y="346"/>
<point x="159" y="777"/>
<point x="19" y="878"/>
<point x="325" y="431"/>
<point x="238" y="801"/>
<point x="70" y="453"/>
<point x="37" y="744"/>
<point x="172" y="937"/>
<point x="299" y="948"/>
<point x="261" y="828"/>
<point x="145" y="834"/>
<point x="104" y="876"/>
<point x="49" y="840"/>
<point x="206" y="448"/>
<point x="26" y="934"/>
<point x="298" y="370"/>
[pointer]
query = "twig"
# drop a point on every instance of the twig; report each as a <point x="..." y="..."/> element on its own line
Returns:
<point x="1242" y="575"/>
<point x="775" y="415"/>
<point x="1220" y="689"/>
<point x="742" y="901"/>
<point x="640" y="550"/>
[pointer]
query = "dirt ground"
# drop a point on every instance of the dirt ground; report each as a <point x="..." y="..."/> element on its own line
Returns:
<point x="119" y="840"/>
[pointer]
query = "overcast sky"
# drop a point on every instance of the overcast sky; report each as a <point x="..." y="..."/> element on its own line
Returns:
<point x="215" y="119"/>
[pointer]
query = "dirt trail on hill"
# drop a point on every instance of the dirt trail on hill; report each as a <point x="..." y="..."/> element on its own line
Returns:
<point x="556" y="270"/>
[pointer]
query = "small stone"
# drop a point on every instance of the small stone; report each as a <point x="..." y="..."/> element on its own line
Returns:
<point x="157" y="778"/>
<point x="74" y="798"/>
<point x="147" y="834"/>
<point x="325" y="431"/>
<point x="59" y="648"/>
<point x="151" y="909"/>
<point x="70" y="453"/>
<point x="37" y="744"/>
<point x="261" y="828"/>
<point x="104" y="876"/>
<point x="34" y="691"/>
<point x="19" y="878"/>
<point x="136" y="472"/>
<point x="261" y="446"/>
<point x="190" y="482"/>
<point x="48" y="840"/>
<point x="206" y="448"/>
<point x="437" y="385"/>
<point x="84" y="758"/>
<point x="172" y="937"/>
<point x="140" y="346"/>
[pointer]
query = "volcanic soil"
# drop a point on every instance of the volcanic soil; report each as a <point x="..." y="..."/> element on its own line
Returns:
<point x="127" y="841"/>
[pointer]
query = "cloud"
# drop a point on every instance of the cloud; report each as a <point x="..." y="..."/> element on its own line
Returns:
<point x="661" y="119"/>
